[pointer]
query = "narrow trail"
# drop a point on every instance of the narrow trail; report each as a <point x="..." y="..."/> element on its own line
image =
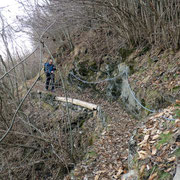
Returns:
<point x="111" y="149"/>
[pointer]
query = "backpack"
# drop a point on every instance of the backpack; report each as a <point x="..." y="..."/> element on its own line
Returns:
<point x="46" y="68"/>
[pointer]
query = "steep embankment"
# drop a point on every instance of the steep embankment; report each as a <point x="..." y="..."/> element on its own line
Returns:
<point x="97" y="76"/>
<point x="107" y="145"/>
<point x="153" y="73"/>
<point x="151" y="154"/>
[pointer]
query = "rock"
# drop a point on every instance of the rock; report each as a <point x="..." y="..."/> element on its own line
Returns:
<point x="120" y="88"/>
<point x="177" y="175"/>
<point x="123" y="69"/>
<point x="114" y="87"/>
<point x="117" y="88"/>
<point x="128" y="99"/>
<point x="113" y="90"/>
<point x="155" y="59"/>
<point x="131" y="175"/>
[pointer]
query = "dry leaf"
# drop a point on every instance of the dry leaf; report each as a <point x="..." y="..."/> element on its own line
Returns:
<point x="154" y="150"/>
<point x="99" y="172"/>
<point x="110" y="166"/>
<point x="153" y="131"/>
<point x="166" y="132"/>
<point x="146" y="137"/>
<point x="169" y="169"/>
<point x="103" y="133"/>
<point x="96" y="177"/>
<point x="152" y="176"/>
<point x="155" y="137"/>
<point x="143" y="154"/>
<point x="159" y="114"/>
<point x="159" y="132"/>
<point x="144" y="142"/>
<point x="177" y="101"/>
<point x="171" y="159"/>
<point x="177" y="123"/>
<point x="159" y="159"/>
<point x="120" y="171"/>
<point x="142" y="169"/>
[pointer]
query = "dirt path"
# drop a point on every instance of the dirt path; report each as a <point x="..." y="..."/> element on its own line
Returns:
<point x="108" y="155"/>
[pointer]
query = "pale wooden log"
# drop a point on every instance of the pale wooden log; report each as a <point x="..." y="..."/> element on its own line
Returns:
<point x="78" y="102"/>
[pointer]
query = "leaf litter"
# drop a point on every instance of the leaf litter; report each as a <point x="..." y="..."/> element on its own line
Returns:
<point x="156" y="147"/>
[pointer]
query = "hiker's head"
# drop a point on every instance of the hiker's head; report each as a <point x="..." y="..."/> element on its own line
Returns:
<point x="50" y="61"/>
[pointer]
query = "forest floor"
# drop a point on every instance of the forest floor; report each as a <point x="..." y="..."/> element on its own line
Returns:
<point x="107" y="158"/>
<point x="112" y="148"/>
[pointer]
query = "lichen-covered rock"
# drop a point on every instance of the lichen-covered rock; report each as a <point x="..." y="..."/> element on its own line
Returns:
<point x="131" y="175"/>
<point x="116" y="87"/>
<point x="177" y="175"/>
<point x="127" y="96"/>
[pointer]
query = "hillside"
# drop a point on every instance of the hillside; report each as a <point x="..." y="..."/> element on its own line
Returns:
<point x="124" y="126"/>
<point x="114" y="112"/>
<point x="98" y="77"/>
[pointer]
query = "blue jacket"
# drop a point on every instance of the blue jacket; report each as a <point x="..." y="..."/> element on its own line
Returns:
<point x="49" y="67"/>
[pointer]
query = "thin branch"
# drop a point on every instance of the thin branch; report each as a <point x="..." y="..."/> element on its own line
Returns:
<point x="18" y="108"/>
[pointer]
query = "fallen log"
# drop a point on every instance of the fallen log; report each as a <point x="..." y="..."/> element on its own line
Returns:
<point x="78" y="103"/>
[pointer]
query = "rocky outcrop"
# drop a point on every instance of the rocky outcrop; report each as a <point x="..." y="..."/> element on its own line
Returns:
<point x="116" y="78"/>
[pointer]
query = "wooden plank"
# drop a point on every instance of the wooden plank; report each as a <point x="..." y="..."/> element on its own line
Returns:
<point x="78" y="102"/>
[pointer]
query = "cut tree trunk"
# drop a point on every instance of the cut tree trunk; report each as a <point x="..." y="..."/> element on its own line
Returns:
<point x="78" y="102"/>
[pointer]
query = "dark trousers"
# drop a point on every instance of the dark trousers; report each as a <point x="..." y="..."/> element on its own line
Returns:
<point x="50" y="77"/>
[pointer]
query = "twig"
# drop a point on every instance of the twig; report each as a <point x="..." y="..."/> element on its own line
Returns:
<point x="19" y="63"/>
<point x="17" y="110"/>
<point x="19" y="145"/>
<point x="28" y="135"/>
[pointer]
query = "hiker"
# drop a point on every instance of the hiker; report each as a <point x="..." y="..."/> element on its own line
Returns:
<point x="49" y="69"/>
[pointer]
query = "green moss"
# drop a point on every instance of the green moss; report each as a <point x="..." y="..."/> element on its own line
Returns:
<point x="176" y="88"/>
<point x="177" y="152"/>
<point x="177" y="113"/>
<point x="176" y="76"/>
<point x="170" y="66"/>
<point x="164" y="138"/>
<point x="144" y="50"/>
<point x="161" y="174"/>
<point x="47" y="106"/>
<point x="76" y="58"/>
<point x="153" y="93"/>
<point x="164" y="175"/>
<point x="154" y="99"/>
<point x="91" y="140"/>
<point x="147" y="173"/>
<point x="81" y="123"/>
<point x="177" y="105"/>
<point x="165" y="78"/>
<point x="124" y="53"/>
<point x="90" y="154"/>
<point x="150" y="60"/>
